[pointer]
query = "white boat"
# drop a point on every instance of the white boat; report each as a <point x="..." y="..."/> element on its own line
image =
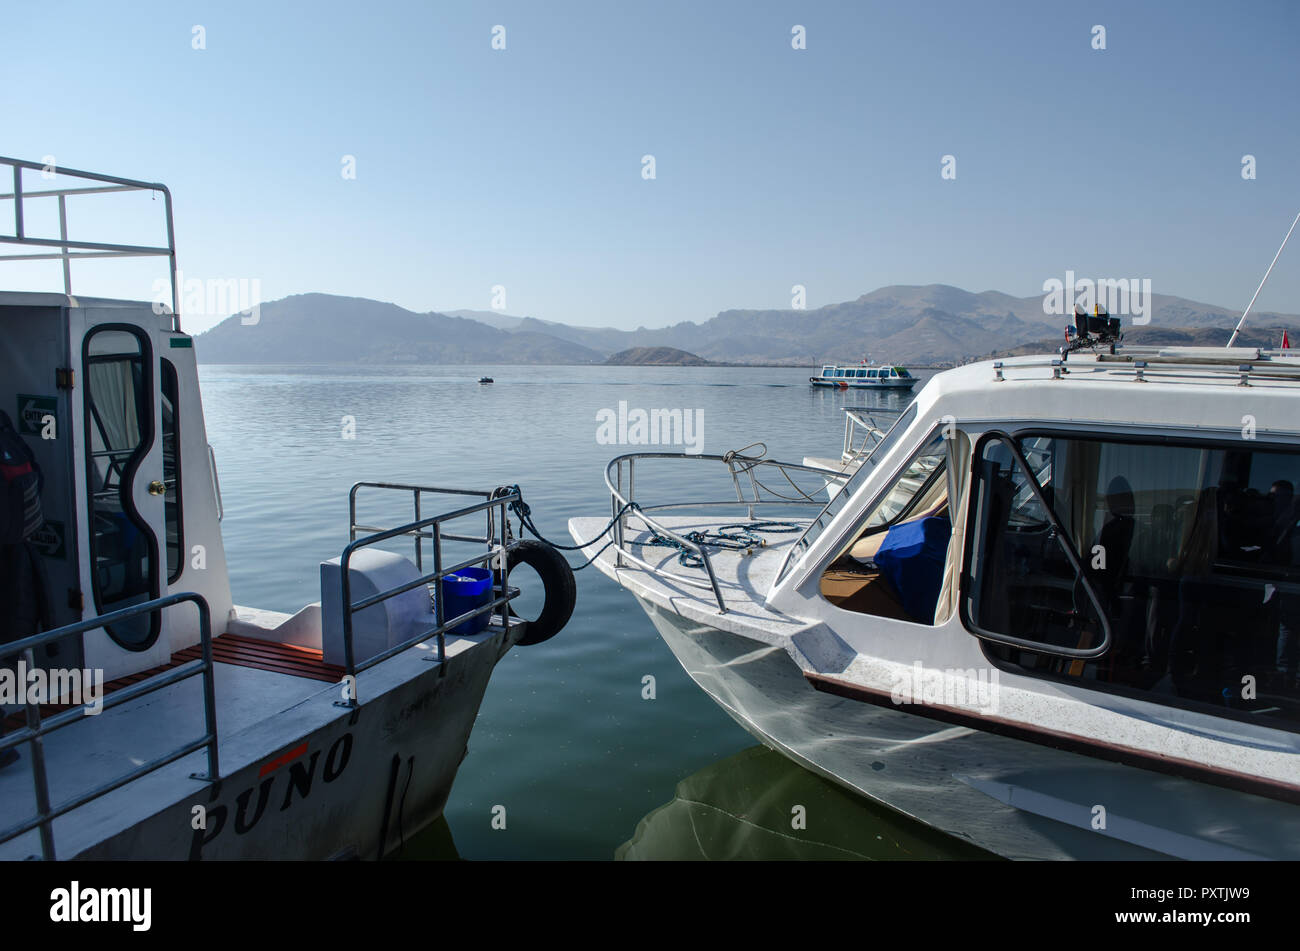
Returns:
<point x="174" y="723"/>
<point x="1052" y="612"/>
<point x="864" y="377"/>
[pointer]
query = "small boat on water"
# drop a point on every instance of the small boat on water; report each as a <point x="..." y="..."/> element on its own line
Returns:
<point x="1053" y="611"/>
<point x="864" y="377"/>
<point x="145" y="714"/>
<point x="485" y="379"/>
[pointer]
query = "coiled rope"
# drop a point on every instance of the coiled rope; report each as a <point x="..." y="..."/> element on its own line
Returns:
<point x="742" y="537"/>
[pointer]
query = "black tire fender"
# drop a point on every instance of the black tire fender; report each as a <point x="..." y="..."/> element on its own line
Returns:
<point x="558" y="582"/>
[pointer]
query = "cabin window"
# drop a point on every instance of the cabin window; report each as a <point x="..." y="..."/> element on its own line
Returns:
<point x="826" y="371"/>
<point x="171" y="452"/>
<point x="894" y="564"/>
<point x="866" y="466"/>
<point x="119" y="433"/>
<point x="1191" y="552"/>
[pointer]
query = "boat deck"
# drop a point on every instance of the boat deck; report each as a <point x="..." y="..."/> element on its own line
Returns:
<point x="234" y="649"/>
<point x="744" y="579"/>
<point x="267" y="696"/>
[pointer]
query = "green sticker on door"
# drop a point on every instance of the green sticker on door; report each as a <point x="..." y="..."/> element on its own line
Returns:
<point x="32" y="413"/>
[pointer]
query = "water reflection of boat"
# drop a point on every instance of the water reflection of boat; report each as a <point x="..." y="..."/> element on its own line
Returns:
<point x="747" y="807"/>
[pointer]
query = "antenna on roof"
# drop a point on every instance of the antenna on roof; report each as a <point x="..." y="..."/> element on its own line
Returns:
<point x="1233" y="338"/>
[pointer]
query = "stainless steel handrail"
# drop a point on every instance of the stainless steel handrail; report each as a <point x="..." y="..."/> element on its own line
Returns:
<point x="736" y="464"/>
<point x="86" y="249"/>
<point x="36" y="730"/>
<point x="494" y="505"/>
<point x="216" y="483"/>
<point x="865" y="418"/>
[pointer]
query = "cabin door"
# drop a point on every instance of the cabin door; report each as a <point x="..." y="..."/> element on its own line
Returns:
<point x="123" y="486"/>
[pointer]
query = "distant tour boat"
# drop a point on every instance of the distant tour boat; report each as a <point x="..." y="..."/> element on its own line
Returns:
<point x="485" y="379"/>
<point x="863" y="377"/>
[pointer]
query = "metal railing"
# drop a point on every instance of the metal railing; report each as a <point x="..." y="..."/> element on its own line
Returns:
<point x="37" y="729"/>
<point x="866" y="464"/>
<point x="739" y="467"/>
<point x="70" y="250"/>
<point x="494" y="506"/>
<point x="855" y="446"/>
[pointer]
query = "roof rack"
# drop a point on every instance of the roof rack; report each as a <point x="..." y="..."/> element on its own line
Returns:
<point x="69" y="249"/>
<point x="1153" y="363"/>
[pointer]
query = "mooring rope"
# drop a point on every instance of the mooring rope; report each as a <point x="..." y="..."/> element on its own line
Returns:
<point x="749" y="462"/>
<point x="740" y="536"/>
<point x="525" y="514"/>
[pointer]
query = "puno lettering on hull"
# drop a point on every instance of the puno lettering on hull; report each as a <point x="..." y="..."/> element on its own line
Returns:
<point x="298" y="786"/>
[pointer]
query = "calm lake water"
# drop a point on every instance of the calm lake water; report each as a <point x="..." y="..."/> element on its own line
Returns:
<point x="585" y="767"/>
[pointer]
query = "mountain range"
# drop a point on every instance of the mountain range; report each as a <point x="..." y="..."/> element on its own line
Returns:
<point x="933" y="323"/>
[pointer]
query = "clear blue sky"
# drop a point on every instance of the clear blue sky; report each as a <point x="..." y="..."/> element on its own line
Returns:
<point x="774" y="166"/>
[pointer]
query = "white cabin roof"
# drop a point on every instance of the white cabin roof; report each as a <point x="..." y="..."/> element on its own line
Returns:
<point x="1198" y="387"/>
<point x="40" y="299"/>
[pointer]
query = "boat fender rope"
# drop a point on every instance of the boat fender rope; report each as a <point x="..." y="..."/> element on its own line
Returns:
<point x="525" y="514"/>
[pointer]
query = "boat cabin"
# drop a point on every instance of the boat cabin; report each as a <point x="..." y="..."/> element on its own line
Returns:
<point x="1139" y="533"/>
<point x="105" y="394"/>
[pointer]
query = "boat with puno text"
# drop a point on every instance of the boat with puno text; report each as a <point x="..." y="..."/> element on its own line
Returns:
<point x="145" y="714"/>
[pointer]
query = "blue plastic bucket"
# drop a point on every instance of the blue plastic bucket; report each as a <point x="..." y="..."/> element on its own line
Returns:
<point x="463" y="591"/>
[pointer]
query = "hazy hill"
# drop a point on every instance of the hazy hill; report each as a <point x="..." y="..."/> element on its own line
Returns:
<point x="657" y="357"/>
<point x="901" y="324"/>
<point x="321" y="328"/>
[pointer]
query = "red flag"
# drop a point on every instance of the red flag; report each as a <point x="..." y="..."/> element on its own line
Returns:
<point x="1286" y="344"/>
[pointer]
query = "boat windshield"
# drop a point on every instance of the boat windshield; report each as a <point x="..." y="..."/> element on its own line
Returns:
<point x="869" y="462"/>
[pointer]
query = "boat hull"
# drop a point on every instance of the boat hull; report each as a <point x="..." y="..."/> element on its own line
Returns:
<point x="354" y="786"/>
<point x="1011" y="797"/>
